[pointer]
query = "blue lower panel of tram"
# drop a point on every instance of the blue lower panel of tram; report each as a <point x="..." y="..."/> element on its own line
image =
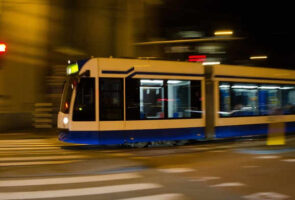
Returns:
<point x="248" y="130"/>
<point x="131" y="136"/>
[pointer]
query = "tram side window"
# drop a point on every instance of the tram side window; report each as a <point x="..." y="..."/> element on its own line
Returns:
<point x="238" y="99"/>
<point x="84" y="107"/>
<point x="132" y="99"/>
<point x="288" y="99"/>
<point x="245" y="99"/>
<point x="269" y="99"/>
<point x="224" y="99"/>
<point x="162" y="99"/>
<point x="111" y="99"/>
<point x="179" y="99"/>
<point x="152" y="99"/>
<point x="184" y="99"/>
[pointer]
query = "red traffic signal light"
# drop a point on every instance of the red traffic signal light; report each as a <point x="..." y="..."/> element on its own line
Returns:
<point x="2" y="48"/>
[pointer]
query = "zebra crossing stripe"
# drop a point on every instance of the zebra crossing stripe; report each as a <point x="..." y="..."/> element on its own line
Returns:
<point x="289" y="160"/>
<point x="206" y="178"/>
<point x="172" y="196"/>
<point x="176" y="170"/>
<point x="23" y="141"/>
<point x="7" y="164"/>
<point x="27" y="145"/>
<point x="66" y="180"/>
<point x="233" y="184"/>
<point x="42" y="158"/>
<point x="78" y="191"/>
<point x="268" y="157"/>
<point x="27" y="148"/>
<point x="266" y="195"/>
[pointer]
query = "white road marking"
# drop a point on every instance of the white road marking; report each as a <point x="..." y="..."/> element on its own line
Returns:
<point x="24" y="141"/>
<point x="28" y="148"/>
<point x="36" y="163"/>
<point x="266" y="196"/>
<point x="250" y="166"/>
<point x="176" y="170"/>
<point x="202" y="148"/>
<point x="289" y="160"/>
<point x="232" y="184"/>
<point x="28" y="145"/>
<point x="267" y="157"/>
<point x="65" y="180"/>
<point x="78" y="191"/>
<point x="206" y="178"/>
<point x="219" y="151"/>
<point x="172" y="196"/>
<point x="43" y="158"/>
<point x="226" y="146"/>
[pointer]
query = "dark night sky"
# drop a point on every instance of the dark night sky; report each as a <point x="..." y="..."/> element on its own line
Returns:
<point x="267" y="25"/>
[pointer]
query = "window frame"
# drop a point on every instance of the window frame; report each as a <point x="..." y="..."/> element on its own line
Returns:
<point x="94" y="101"/>
<point x="258" y="89"/>
<point x="122" y="99"/>
<point x="201" y="115"/>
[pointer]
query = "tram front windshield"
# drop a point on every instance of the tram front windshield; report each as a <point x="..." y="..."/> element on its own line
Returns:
<point x="69" y="86"/>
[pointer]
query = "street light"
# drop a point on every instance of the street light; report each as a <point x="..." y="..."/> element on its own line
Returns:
<point x="223" y="33"/>
<point x="262" y="57"/>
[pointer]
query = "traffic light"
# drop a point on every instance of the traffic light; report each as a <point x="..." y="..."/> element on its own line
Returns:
<point x="2" y="48"/>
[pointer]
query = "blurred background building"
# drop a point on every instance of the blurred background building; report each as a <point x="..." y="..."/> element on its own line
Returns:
<point x="42" y="36"/>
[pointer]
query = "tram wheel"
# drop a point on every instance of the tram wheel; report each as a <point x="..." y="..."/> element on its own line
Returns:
<point x="140" y="144"/>
<point x="181" y="142"/>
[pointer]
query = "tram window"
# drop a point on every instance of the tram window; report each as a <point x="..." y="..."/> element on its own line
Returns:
<point x="196" y="99"/>
<point x="238" y="99"/>
<point x="162" y="99"/>
<point x="269" y="99"/>
<point x="179" y="99"/>
<point x="152" y="99"/>
<point x="84" y="107"/>
<point x="111" y="99"/>
<point x="288" y="99"/>
<point x="67" y="94"/>
<point x="244" y="101"/>
<point x="225" y="108"/>
<point x="132" y="99"/>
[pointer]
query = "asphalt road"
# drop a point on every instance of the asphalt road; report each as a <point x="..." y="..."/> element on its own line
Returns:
<point x="34" y="166"/>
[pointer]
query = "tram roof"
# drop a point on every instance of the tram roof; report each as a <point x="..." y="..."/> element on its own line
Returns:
<point x="238" y="71"/>
<point x="121" y="67"/>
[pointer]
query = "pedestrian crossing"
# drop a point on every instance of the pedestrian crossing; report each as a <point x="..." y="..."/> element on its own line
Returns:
<point x="38" y="152"/>
<point x="112" y="187"/>
<point x="32" y="152"/>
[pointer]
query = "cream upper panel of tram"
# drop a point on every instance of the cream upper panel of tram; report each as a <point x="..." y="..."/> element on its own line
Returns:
<point x="90" y="65"/>
<point x="153" y="66"/>
<point x="255" y="72"/>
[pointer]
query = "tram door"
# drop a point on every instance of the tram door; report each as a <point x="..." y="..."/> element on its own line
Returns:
<point x="84" y="108"/>
<point x="111" y="104"/>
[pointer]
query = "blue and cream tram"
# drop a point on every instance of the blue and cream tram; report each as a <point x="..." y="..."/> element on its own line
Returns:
<point x="122" y="101"/>
<point x="129" y="101"/>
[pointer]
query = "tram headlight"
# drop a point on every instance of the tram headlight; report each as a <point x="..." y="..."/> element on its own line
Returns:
<point x="65" y="120"/>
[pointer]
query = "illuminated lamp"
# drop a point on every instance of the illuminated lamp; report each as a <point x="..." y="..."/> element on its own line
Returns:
<point x="2" y="48"/>
<point x="72" y="69"/>
<point x="196" y="58"/>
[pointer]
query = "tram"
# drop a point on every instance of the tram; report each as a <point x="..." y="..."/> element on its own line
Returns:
<point x="109" y="101"/>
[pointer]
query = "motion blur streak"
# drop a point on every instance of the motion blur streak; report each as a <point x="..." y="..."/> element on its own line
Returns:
<point x="42" y="36"/>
